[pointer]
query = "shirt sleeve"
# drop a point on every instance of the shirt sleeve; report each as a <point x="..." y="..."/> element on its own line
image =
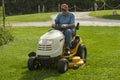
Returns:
<point x="57" y="19"/>
<point x="72" y="20"/>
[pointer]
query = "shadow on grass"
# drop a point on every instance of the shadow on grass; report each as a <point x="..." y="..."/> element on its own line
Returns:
<point x="39" y="74"/>
<point x="114" y="17"/>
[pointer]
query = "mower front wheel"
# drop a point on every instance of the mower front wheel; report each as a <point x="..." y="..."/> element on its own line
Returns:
<point x="32" y="63"/>
<point x="62" y="65"/>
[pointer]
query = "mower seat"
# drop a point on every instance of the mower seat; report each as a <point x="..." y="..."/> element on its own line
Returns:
<point x="76" y="28"/>
<point x="76" y="39"/>
<point x="74" y="42"/>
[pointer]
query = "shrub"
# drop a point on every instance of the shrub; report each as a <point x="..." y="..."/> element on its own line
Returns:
<point x="5" y="35"/>
<point x="0" y="15"/>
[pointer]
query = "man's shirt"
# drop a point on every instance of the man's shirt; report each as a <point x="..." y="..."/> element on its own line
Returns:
<point x="64" y="19"/>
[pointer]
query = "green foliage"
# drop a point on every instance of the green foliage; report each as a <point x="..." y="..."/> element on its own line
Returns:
<point x="5" y="33"/>
<point x="101" y="0"/>
<point x="0" y="15"/>
<point x="103" y="59"/>
<point x="107" y="14"/>
<point x="0" y="11"/>
<point x="5" y="36"/>
<point x="31" y="6"/>
<point x="112" y="3"/>
<point x="15" y="7"/>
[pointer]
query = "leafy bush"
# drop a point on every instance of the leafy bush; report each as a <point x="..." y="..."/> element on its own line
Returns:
<point x="0" y="15"/>
<point x="5" y="36"/>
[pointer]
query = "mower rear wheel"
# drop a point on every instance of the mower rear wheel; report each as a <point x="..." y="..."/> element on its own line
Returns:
<point x="62" y="65"/>
<point x="82" y="52"/>
<point x="32" y="63"/>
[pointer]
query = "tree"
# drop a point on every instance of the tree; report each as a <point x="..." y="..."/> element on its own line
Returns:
<point x="101" y="0"/>
<point x="0" y="15"/>
<point x="14" y="7"/>
<point x="3" y="12"/>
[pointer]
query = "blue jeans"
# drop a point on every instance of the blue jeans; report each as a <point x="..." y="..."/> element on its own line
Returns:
<point x="69" y="33"/>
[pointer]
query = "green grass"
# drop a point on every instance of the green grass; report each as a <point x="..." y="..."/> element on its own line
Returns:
<point x="103" y="60"/>
<point x="29" y="18"/>
<point x="107" y="14"/>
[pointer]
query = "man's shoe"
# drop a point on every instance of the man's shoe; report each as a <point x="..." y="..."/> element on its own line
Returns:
<point x="67" y="53"/>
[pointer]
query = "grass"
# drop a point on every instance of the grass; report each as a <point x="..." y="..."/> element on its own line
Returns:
<point x="103" y="61"/>
<point x="29" y="18"/>
<point x="107" y="14"/>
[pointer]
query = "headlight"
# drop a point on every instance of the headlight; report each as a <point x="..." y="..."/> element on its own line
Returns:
<point x="46" y="42"/>
<point x="49" y="42"/>
<point x="41" y="42"/>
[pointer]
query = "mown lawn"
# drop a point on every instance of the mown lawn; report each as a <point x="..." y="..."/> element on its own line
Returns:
<point x="29" y="18"/>
<point x="107" y="14"/>
<point x="103" y="60"/>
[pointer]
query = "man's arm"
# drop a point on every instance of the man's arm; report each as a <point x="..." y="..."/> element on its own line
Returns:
<point x="71" y="25"/>
<point x="72" y="21"/>
<point x="56" y="21"/>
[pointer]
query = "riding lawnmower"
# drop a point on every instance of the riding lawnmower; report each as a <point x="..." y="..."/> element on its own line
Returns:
<point x="51" y="52"/>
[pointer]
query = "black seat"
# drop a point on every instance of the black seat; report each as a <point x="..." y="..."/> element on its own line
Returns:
<point x="76" y="28"/>
<point x="77" y="38"/>
<point x="74" y="43"/>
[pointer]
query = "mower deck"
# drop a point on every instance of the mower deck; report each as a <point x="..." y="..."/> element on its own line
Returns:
<point x="76" y="62"/>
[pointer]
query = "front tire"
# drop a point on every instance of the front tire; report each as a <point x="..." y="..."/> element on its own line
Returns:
<point x="32" y="54"/>
<point x="62" y="65"/>
<point x="32" y="63"/>
<point x="82" y="52"/>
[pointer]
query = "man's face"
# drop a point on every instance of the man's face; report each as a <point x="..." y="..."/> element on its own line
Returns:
<point x="64" y="11"/>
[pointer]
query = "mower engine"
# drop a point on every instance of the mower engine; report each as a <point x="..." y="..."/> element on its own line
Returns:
<point x="51" y="44"/>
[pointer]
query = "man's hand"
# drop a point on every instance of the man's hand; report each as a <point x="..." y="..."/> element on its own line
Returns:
<point x="64" y="26"/>
<point x="54" y="25"/>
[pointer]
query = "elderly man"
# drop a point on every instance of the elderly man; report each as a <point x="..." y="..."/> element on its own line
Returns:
<point x="65" y="21"/>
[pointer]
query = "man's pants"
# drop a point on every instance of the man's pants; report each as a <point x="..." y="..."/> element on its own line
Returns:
<point x="69" y="33"/>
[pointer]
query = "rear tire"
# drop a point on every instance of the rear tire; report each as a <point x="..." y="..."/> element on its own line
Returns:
<point x="62" y="65"/>
<point x="82" y="52"/>
<point x="32" y="63"/>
